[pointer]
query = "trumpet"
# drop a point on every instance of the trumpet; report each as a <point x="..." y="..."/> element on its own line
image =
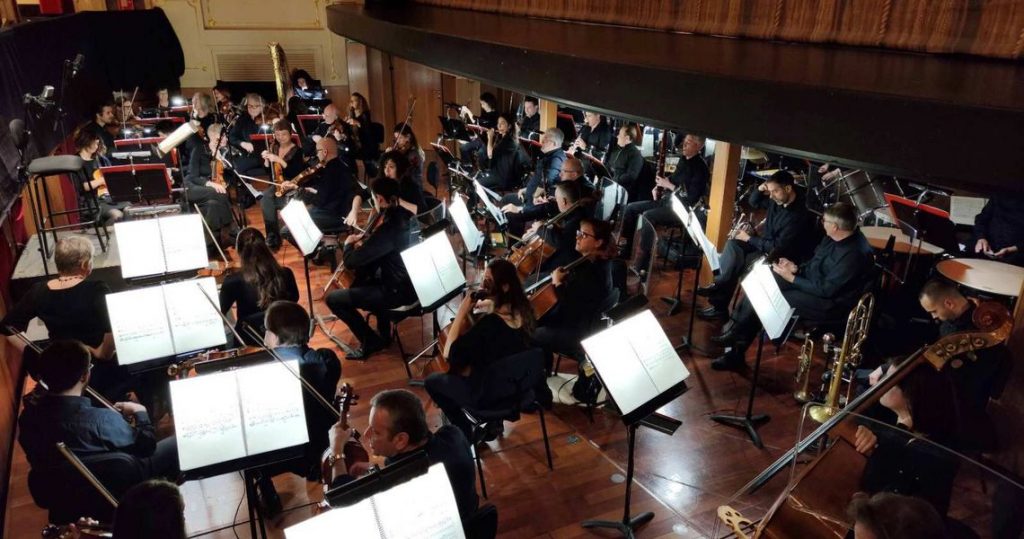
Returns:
<point x="848" y="357"/>
<point x="740" y="223"/>
<point x="803" y="371"/>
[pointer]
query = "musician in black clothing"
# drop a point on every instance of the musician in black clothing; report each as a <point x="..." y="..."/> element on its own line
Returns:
<point x="594" y="137"/>
<point x="240" y="136"/>
<point x="382" y="282"/>
<point x="624" y="162"/>
<point x="88" y="145"/>
<point x="62" y="414"/>
<point x="286" y="156"/>
<point x="398" y="428"/>
<point x="544" y="177"/>
<point x="580" y="295"/>
<point x="260" y="282"/>
<point x="361" y="122"/>
<point x="334" y="195"/>
<point x="488" y="119"/>
<point x="824" y="288"/>
<point x="999" y="229"/>
<point x="562" y="235"/>
<point x="789" y="231"/>
<point x="208" y="191"/>
<point x="103" y="116"/>
<point x="204" y="112"/>
<point x="503" y="158"/>
<point x="287" y="334"/>
<point x="341" y="132"/>
<point x="691" y="177"/>
<point x="544" y="205"/>
<point x="410" y="193"/>
<point x="531" y="118"/>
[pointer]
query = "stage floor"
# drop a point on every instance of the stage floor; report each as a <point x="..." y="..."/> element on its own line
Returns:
<point x="30" y="264"/>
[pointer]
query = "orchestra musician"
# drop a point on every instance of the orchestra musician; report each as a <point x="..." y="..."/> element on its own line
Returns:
<point x="202" y="111"/>
<point x="63" y="414"/>
<point x="580" y="295"/>
<point x="398" y="428"/>
<point x="225" y="107"/>
<point x="893" y="515"/>
<point x="337" y="196"/>
<point x="285" y="156"/>
<point x="360" y="120"/>
<point x="72" y="306"/>
<point x="287" y="334"/>
<point x="488" y="119"/>
<point x="302" y="85"/>
<point x="824" y="288"/>
<point x="531" y="117"/>
<point x="595" y="136"/>
<point x="382" y="282"/>
<point x="503" y="157"/>
<point x="691" y="177"/>
<point x="87" y="144"/>
<point x="410" y="194"/>
<point x="529" y="202"/>
<point x="331" y="126"/>
<point x="405" y="142"/>
<point x="259" y="282"/>
<point x="562" y="235"/>
<point x="205" y="187"/>
<point x="999" y="229"/>
<point x="503" y="328"/>
<point x="789" y="231"/>
<point x="163" y="100"/>
<point x="154" y="509"/>
<point x="624" y="162"/>
<point x="103" y="116"/>
<point x="240" y="135"/>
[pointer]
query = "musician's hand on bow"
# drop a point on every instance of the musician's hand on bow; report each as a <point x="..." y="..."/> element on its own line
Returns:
<point x="540" y="199"/>
<point x="823" y="168"/>
<point x="654" y="193"/>
<point x="558" y="276"/>
<point x="353" y="238"/>
<point x="352" y="218"/>
<point x="217" y="187"/>
<point x="129" y="409"/>
<point x="864" y="440"/>
<point x="511" y="208"/>
<point x="289" y="185"/>
<point x="763" y="187"/>
<point x="1005" y="251"/>
<point x="247" y="146"/>
<point x="484" y="306"/>
<point x="982" y="246"/>
<point x="875" y="376"/>
<point x="665" y="183"/>
<point x="490" y="134"/>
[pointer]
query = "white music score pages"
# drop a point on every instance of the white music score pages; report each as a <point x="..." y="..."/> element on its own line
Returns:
<point x="164" y="245"/>
<point x="164" y="320"/>
<point x="301" y="226"/>
<point x="696" y="232"/>
<point x="471" y="237"/>
<point x="433" y="268"/>
<point x="963" y="210"/>
<point x="765" y="296"/>
<point x="496" y="213"/>
<point x="232" y="414"/>
<point x="636" y="361"/>
<point x="423" y="507"/>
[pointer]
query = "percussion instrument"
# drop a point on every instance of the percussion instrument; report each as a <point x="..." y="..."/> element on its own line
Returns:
<point x="878" y="236"/>
<point x="986" y="276"/>
<point x="866" y="194"/>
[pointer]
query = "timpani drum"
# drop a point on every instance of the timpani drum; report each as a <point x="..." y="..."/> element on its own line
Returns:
<point x="987" y="277"/>
<point x="878" y="237"/>
<point x="908" y="263"/>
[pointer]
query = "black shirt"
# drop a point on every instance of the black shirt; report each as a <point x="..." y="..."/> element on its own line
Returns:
<point x="488" y="120"/>
<point x="322" y="369"/>
<point x="563" y="238"/>
<point x="581" y="295"/>
<point x="598" y="138"/>
<point x="791" y="231"/>
<point x="693" y="176"/>
<point x="79" y="312"/>
<point x="199" y="167"/>
<point x="506" y="163"/>
<point x="546" y="174"/>
<point x="237" y="291"/>
<point x="242" y="131"/>
<point x="625" y="165"/>
<point x="839" y="269"/>
<point x="449" y="446"/>
<point x="1001" y="222"/>
<point x="85" y="429"/>
<point x="412" y="192"/>
<point x="530" y="124"/>
<point x="488" y="340"/>
<point x="103" y="134"/>
<point x="982" y="373"/>
<point x="335" y="187"/>
<point x="382" y="252"/>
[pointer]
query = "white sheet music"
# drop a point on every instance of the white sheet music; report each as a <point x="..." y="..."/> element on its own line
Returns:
<point x="138" y="321"/>
<point x="207" y="424"/>
<point x="301" y="226"/>
<point x="271" y="400"/>
<point x="433" y="268"/>
<point x="164" y="245"/>
<point x="496" y="213"/>
<point x="963" y="210"/>
<point x="765" y="296"/>
<point x="693" y="227"/>
<point x="636" y="361"/>
<point x="421" y="507"/>
<point x="184" y="242"/>
<point x="140" y="248"/>
<point x="195" y="324"/>
<point x="471" y="236"/>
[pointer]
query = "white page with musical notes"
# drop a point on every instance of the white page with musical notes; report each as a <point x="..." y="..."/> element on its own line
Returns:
<point x="421" y="507"/>
<point x="301" y="226"/>
<point x="138" y="322"/>
<point x="766" y="297"/>
<point x="355" y="521"/>
<point x="207" y="420"/>
<point x="433" y="268"/>
<point x="195" y="324"/>
<point x="140" y="248"/>
<point x="963" y="210"/>
<point x="272" y="408"/>
<point x="471" y="236"/>
<point x="184" y="242"/>
<point x="636" y="361"/>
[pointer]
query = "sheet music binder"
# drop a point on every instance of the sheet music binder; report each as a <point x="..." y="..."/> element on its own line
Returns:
<point x="423" y="506"/>
<point x="766" y="297"/>
<point x="696" y="232"/>
<point x="638" y="365"/>
<point x="235" y="418"/>
<point x="433" y="269"/>
<point x="471" y="236"/>
<point x="164" y="320"/>
<point x="160" y="246"/>
<point x="301" y="226"/>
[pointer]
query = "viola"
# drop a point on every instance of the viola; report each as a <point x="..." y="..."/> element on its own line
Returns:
<point x="176" y="369"/>
<point x="301" y="178"/>
<point x="97" y="174"/>
<point x="87" y="529"/>
<point x="353" y="452"/>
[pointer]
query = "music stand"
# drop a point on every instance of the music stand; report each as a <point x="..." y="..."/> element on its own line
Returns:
<point x="645" y="373"/>
<point x="453" y="128"/>
<point x="921" y="223"/>
<point x="307" y="237"/>
<point x="145" y="184"/>
<point x="693" y="228"/>
<point x="309" y="122"/>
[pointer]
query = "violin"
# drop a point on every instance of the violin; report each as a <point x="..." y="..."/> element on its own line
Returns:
<point x="97" y="175"/>
<point x="176" y="369"/>
<point x="219" y="270"/>
<point x="87" y="529"/>
<point x="346" y="277"/>
<point x="353" y="452"/>
<point x="301" y="177"/>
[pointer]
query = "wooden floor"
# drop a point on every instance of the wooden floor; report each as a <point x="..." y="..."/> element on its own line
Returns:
<point x="682" y="478"/>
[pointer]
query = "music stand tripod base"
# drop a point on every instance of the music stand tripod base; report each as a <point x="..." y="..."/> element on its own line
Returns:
<point x="749" y="421"/>
<point x="625" y="528"/>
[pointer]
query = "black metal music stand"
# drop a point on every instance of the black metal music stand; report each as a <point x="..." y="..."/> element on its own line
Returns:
<point x="921" y="223"/>
<point x="143" y="184"/>
<point x="749" y="422"/>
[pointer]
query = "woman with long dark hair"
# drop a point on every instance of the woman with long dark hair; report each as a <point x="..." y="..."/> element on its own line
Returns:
<point x="503" y="159"/>
<point x="503" y="329"/>
<point x="405" y="142"/>
<point x="361" y="121"/>
<point x="395" y="165"/>
<point x="260" y="282"/>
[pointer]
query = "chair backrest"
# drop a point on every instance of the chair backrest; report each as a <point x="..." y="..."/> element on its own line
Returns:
<point x="68" y="496"/>
<point x="606" y="304"/>
<point x="613" y="198"/>
<point x="483" y="524"/>
<point x="509" y="381"/>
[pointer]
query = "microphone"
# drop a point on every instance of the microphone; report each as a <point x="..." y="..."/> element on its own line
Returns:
<point x="76" y="65"/>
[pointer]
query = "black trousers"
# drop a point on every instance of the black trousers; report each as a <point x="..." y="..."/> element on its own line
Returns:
<point x="735" y="258"/>
<point x="269" y="206"/>
<point x="375" y="298"/>
<point x="163" y="462"/>
<point x="452" y="393"/>
<point x="216" y="207"/>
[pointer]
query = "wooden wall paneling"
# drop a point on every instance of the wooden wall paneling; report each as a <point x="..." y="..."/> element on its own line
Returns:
<point x="358" y="69"/>
<point x="412" y="80"/>
<point x="548" y="114"/>
<point x="380" y="74"/>
<point x="724" y="172"/>
<point x="11" y="384"/>
<point x="8" y="12"/>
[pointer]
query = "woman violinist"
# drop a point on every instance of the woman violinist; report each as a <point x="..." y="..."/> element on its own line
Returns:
<point x="206" y="185"/>
<point x="260" y="282"/>
<point x="503" y="329"/>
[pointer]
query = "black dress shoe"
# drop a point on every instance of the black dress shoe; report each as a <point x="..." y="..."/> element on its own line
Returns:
<point x="728" y="362"/>
<point x="725" y="338"/>
<point x="712" y="313"/>
<point x="365" y="351"/>
<point x="708" y="290"/>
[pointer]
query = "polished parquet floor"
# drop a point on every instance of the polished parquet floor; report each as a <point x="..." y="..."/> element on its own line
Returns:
<point x="682" y="478"/>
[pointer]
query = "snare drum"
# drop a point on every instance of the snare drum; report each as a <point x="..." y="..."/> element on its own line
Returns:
<point x="987" y="277"/>
<point x="865" y="194"/>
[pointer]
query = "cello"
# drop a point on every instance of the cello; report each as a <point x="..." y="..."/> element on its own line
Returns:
<point x="528" y="255"/>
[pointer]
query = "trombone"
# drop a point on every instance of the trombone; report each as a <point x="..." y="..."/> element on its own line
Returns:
<point x="848" y="356"/>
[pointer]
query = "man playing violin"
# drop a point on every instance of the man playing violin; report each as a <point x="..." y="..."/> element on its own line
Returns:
<point x="335" y="196"/>
<point x="332" y="127"/>
<point x="206" y="185"/>
<point x="382" y="282"/>
<point x="398" y="428"/>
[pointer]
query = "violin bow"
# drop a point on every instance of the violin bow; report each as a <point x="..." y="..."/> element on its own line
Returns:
<point x="209" y="231"/>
